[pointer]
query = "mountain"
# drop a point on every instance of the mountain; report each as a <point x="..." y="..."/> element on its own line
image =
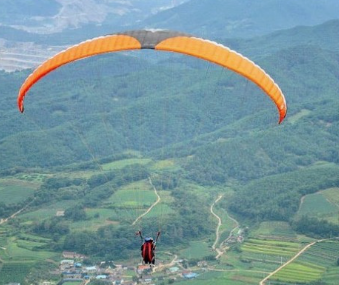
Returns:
<point x="52" y="16"/>
<point x="245" y="18"/>
<point x="323" y="36"/>
<point x="31" y="31"/>
<point x="306" y="73"/>
<point x="212" y="19"/>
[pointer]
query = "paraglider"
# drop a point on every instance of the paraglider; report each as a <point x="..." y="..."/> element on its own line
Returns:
<point x="148" y="248"/>
<point x="161" y="40"/>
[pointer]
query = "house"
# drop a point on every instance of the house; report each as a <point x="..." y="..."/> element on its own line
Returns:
<point x="174" y="269"/>
<point x="69" y="254"/>
<point x="142" y="268"/>
<point x="129" y="283"/>
<point x="91" y="269"/>
<point x="147" y="279"/>
<point x="118" y="282"/>
<point x="73" y="255"/>
<point x="66" y="263"/>
<point x="189" y="275"/>
<point x="47" y="283"/>
<point x="202" y="263"/>
<point x="72" y="275"/>
<point x="60" y="213"/>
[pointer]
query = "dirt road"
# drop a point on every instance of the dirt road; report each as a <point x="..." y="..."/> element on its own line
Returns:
<point x="152" y="206"/>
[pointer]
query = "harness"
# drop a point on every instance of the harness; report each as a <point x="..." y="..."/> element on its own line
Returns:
<point x="147" y="248"/>
<point x="147" y="251"/>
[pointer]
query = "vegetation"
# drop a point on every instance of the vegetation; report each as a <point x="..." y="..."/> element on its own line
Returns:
<point x="196" y="131"/>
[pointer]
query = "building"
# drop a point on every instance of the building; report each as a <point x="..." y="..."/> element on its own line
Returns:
<point x="189" y="275"/>
<point x="174" y="269"/>
<point x="60" y="213"/>
<point x="146" y="279"/>
<point x="91" y="269"/>
<point x="72" y="255"/>
<point x="142" y="268"/>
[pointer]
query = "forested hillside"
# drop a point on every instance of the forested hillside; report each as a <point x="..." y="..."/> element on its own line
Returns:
<point x="124" y="107"/>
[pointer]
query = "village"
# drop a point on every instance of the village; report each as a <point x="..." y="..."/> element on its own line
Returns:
<point x="71" y="269"/>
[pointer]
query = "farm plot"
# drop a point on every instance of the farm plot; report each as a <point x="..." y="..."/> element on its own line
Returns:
<point x="332" y="194"/>
<point x="130" y="201"/>
<point x="24" y="251"/>
<point x="48" y="211"/>
<point x="197" y="250"/>
<point x="267" y="255"/>
<point x="318" y="205"/>
<point x="15" y="191"/>
<point x="331" y="276"/>
<point x="234" y="277"/>
<point x="14" y="272"/>
<point x="270" y="247"/>
<point x="97" y="218"/>
<point x="299" y="272"/>
<point x="125" y="162"/>
<point x="317" y="263"/>
<point x="275" y="230"/>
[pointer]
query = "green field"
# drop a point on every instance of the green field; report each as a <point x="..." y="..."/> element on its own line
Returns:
<point x="299" y="272"/>
<point x="331" y="275"/>
<point x="20" y="250"/>
<point x="96" y="218"/>
<point x="332" y="194"/>
<point x="231" y="277"/>
<point x="47" y="211"/>
<point x="135" y="195"/>
<point x="274" y="230"/>
<point x="167" y="164"/>
<point x="197" y="250"/>
<point x="317" y="205"/>
<point x="14" y="272"/>
<point x="134" y="199"/>
<point x="14" y="191"/>
<point x="18" y="257"/>
<point x="125" y="162"/>
<point x="318" y="263"/>
<point x="270" y="247"/>
<point x="263" y="255"/>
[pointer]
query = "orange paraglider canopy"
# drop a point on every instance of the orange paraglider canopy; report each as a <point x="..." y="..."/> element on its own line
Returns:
<point x="165" y="41"/>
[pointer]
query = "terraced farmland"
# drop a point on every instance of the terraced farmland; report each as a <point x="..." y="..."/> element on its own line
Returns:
<point x="267" y="255"/>
<point x="270" y="247"/>
<point x="315" y="264"/>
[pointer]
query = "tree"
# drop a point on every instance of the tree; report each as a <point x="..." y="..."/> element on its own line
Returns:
<point x="76" y="213"/>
